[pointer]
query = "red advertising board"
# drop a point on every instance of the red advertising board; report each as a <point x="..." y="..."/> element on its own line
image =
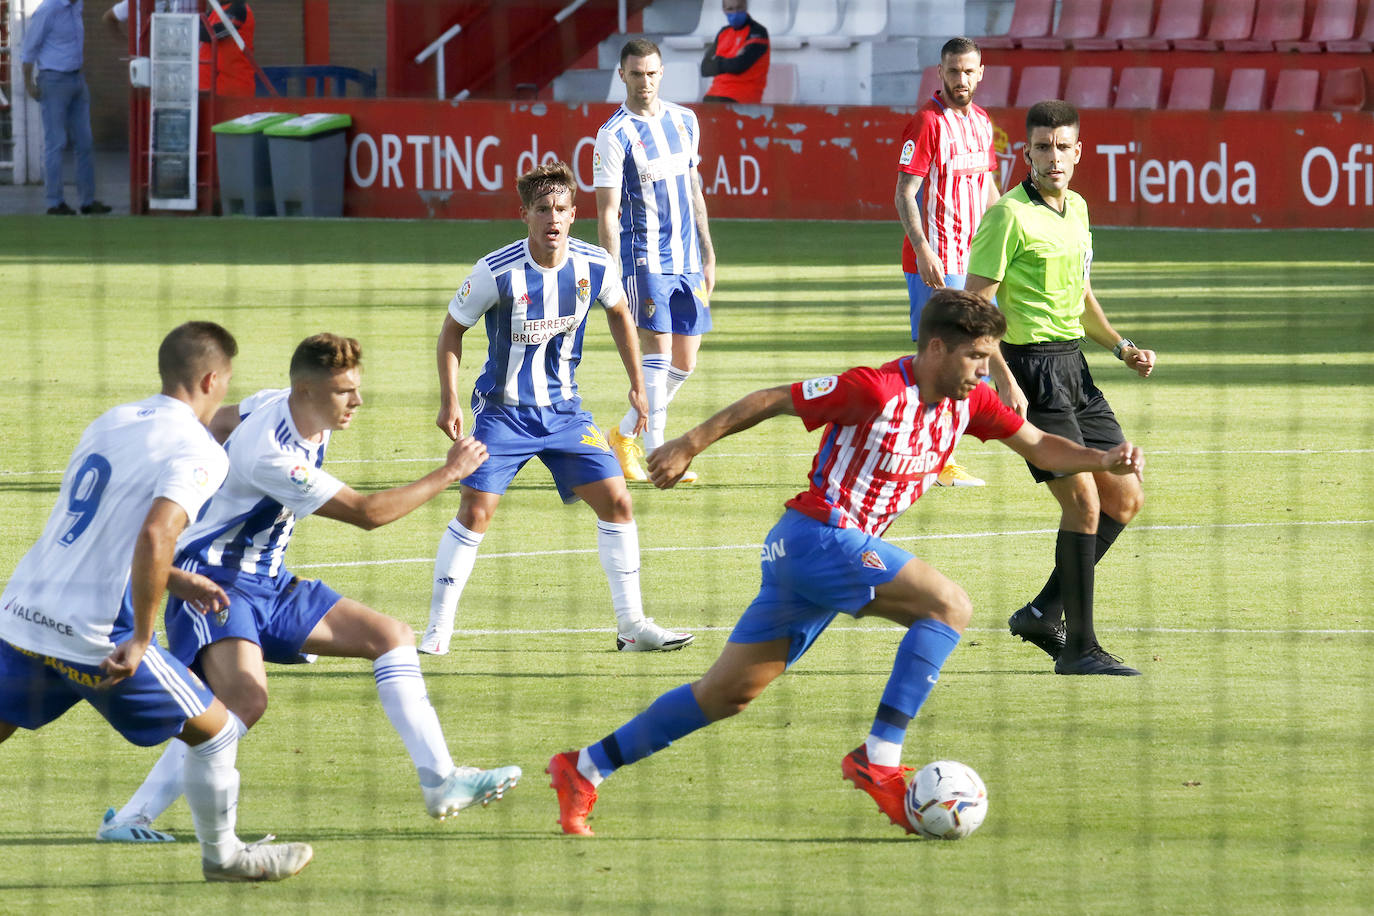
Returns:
<point x="419" y="159"/>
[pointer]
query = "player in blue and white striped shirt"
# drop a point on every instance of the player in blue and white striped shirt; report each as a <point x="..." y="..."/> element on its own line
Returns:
<point x="533" y="297"/>
<point x="651" y="213"/>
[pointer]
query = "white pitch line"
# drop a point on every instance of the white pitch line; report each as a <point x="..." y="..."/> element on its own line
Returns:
<point x="1191" y="631"/>
<point x="577" y="551"/>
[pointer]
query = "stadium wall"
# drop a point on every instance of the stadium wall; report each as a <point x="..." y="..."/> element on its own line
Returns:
<point x="425" y="159"/>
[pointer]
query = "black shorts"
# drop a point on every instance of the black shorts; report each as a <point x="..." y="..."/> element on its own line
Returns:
<point x="1063" y="399"/>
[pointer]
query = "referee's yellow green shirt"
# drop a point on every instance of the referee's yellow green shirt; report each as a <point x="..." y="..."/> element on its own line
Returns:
<point x="1041" y="258"/>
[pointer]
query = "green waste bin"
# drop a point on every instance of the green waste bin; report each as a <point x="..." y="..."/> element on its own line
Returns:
<point x="245" y="172"/>
<point x="308" y="154"/>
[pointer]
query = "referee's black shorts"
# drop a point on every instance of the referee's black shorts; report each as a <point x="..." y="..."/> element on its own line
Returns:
<point x="1063" y="399"/>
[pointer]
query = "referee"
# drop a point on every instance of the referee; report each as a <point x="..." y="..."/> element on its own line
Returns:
<point x="1033" y="251"/>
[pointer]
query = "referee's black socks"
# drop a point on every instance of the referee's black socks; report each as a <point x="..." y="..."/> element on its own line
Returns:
<point x="1074" y="561"/>
<point x="1049" y="602"/>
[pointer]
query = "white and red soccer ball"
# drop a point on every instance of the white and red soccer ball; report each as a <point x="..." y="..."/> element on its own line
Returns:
<point x="946" y="801"/>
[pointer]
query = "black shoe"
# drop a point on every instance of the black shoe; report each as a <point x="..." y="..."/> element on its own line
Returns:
<point x="1094" y="661"/>
<point x="61" y="210"/>
<point x="1038" y="631"/>
<point x="94" y="208"/>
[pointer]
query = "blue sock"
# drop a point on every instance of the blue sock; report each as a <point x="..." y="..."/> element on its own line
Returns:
<point x="670" y="717"/>
<point x="915" y="670"/>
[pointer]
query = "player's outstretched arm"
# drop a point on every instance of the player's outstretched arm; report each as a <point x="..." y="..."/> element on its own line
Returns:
<point x="626" y="339"/>
<point x="382" y="508"/>
<point x="1055" y="453"/>
<point x="670" y="461"/>
<point x="450" y="356"/>
<point x="152" y="565"/>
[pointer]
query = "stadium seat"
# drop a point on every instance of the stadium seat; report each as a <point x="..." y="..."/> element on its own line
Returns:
<point x="1178" y="20"/>
<point x="1089" y="87"/>
<point x="995" y="89"/>
<point x="930" y="82"/>
<point x="1245" y="91"/>
<point x="781" y="88"/>
<point x="1333" y="20"/>
<point x="1139" y="87"/>
<point x="1295" y="90"/>
<point x="1275" y="20"/>
<point x="1077" y="19"/>
<point x="682" y="82"/>
<point x="1029" y="19"/>
<point x="814" y="18"/>
<point x="862" y="19"/>
<point x="1343" y="90"/>
<point x="1232" y="20"/>
<point x="1036" y="85"/>
<point x="1191" y="89"/>
<point x="773" y="15"/>
<point x="1127" y="19"/>
<point x="1363" y="42"/>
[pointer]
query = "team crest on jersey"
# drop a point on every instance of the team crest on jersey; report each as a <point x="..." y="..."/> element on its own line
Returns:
<point x="300" y="476"/>
<point x="596" y="439"/>
<point x="814" y="388"/>
<point x="584" y="289"/>
<point x="649" y="307"/>
<point x="683" y="135"/>
<point x="870" y="559"/>
<point x="908" y="151"/>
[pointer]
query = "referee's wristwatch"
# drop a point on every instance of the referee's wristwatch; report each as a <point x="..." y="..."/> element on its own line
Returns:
<point x="1121" y="346"/>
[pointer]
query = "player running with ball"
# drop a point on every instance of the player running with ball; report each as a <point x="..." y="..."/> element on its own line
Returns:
<point x="888" y="431"/>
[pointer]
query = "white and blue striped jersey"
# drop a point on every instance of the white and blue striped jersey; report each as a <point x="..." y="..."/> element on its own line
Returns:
<point x="651" y="161"/>
<point x="535" y="319"/>
<point x="275" y="477"/>
<point x="64" y="597"/>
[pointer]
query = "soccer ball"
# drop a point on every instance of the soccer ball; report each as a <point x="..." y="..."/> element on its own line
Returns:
<point x="946" y="801"/>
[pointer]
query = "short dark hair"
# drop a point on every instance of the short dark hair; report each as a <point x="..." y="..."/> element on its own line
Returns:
<point x="1051" y="113"/>
<point x="958" y="47"/>
<point x="957" y="316"/>
<point x="639" y="47"/>
<point x="323" y="354"/>
<point x="192" y="349"/>
<point x="549" y="178"/>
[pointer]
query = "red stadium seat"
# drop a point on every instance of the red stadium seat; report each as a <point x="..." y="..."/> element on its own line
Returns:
<point x="1029" y="19"/>
<point x="1128" y="19"/>
<point x="1140" y="87"/>
<point x="1231" y="20"/>
<point x="1178" y="20"/>
<point x="1191" y="89"/>
<point x="1077" y="19"/>
<point x="1245" y="92"/>
<point x="1275" y="20"/>
<point x="930" y="81"/>
<point x="781" y="88"/>
<point x="1089" y="87"/>
<point x="1343" y="90"/>
<point x="1295" y="90"/>
<point x="1333" y="20"/>
<point x="1036" y="85"/>
<point x="1363" y="42"/>
<point x="995" y="89"/>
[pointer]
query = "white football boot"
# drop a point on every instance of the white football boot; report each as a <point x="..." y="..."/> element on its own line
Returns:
<point x="647" y="636"/>
<point x="466" y="786"/>
<point x="261" y="861"/>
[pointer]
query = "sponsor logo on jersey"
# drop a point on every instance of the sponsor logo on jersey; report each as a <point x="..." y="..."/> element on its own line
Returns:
<point x="464" y="290"/>
<point x="584" y="289"/>
<point x="523" y="300"/>
<point x="700" y="292"/>
<point x="909" y="467"/>
<point x="38" y="619"/>
<point x="147" y="412"/>
<point x="814" y="388"/>
<point x="300" y="476"/>
<point x="908" y="151"/>
<point x="83" y="678"/>
<point x="596" y="439"/>
<point x="870" y="559"/>
<point x="201" y="477"/>
<point x="538" y="330"/>
<point x="596" y="161"/>
<point x="772" y="550"/>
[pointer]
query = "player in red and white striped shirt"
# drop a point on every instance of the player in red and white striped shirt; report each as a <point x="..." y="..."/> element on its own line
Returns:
<point x="887" y="433"/>
<point x="947" y="153"/>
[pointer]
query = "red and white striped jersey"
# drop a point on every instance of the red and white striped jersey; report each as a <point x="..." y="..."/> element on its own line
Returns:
<point x="882" y="446"/>
<point x="954" y="154"/>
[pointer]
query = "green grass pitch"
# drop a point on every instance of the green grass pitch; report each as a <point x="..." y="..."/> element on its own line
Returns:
<point x="1235" y="777"/>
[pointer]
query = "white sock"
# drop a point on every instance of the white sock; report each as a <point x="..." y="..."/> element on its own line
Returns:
<point x="655" y="389"/>
<point x="588" y="769"/>
<point x="676" y="377"/>
<point x="211" y="784"/>
<point x="160" y="787"/>
<point x="883" y="753"/>
<point x="618" y="545"/>
<point x="402" y="690"/>
<point x="452" y="569"/>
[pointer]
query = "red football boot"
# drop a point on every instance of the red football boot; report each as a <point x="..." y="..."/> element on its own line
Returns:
<point x="887" y="785"/>
<point x="575" y="794"/>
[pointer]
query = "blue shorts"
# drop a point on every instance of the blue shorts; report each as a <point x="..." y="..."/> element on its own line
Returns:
<point x="669" y="303"/>
<point x="147" y="708"/>
<point x="564" y="437"/>
<point x="811" y="572"/>
<point x="919" y="294"/>
<point x="276" y="613"/>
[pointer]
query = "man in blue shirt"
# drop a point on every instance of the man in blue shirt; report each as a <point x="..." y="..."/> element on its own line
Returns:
<point x="52" y="57"/>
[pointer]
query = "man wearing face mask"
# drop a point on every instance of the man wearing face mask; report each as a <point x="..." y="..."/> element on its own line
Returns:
<point x="737" y="58"/>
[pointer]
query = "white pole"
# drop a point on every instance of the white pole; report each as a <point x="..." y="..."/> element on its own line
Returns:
<point x="623" y="22"/>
